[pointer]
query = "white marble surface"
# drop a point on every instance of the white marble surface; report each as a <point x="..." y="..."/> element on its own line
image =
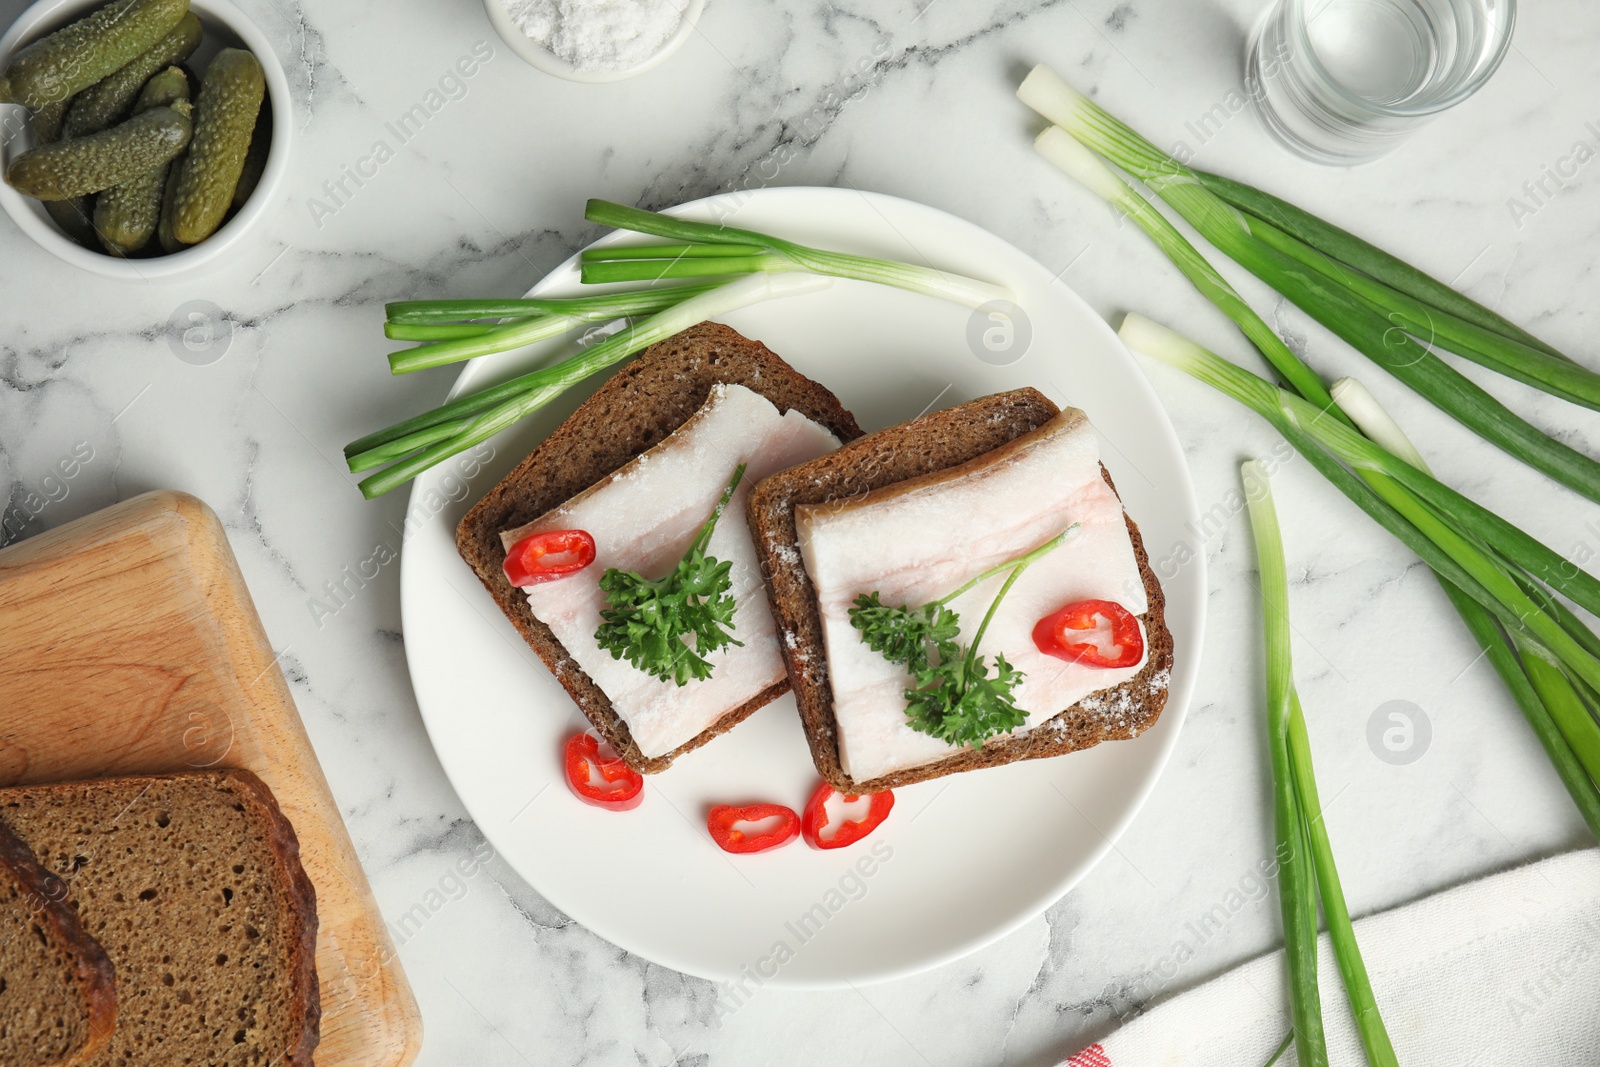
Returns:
<point x="907" y="98"/>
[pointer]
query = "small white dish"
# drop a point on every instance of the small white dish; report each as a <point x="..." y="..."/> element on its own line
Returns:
<point x="540" y="57"/>
<point x="225" y="26"/>
<point x="962" y="860"/>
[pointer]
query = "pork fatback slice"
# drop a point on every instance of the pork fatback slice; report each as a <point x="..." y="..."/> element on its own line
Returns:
<point x="642" y="518"/>
<point x="913" y="545"/>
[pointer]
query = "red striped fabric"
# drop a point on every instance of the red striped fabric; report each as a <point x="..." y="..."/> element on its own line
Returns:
<point x="1093" y="1056"/>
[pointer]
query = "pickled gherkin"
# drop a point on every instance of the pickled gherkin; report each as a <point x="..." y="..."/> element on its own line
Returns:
<point x="81" y="53"/>
<point x="66" y="169"/>
<point x="163" y="90"/>
<point x="231" y="91"/>
<point x="126" y="215"/>
<point x="169" y="243"/>
<point x="72" y="217"/>
<point x="111" y="100"/>
<point x="45" y="124"/>
<point x="255" y="160"/>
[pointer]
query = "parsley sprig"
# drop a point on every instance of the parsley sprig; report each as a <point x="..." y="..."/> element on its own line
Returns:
<point x="953" y="696"/>
<point x="667" y="626"/>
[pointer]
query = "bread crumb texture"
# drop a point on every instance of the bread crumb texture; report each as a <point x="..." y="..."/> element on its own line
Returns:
<point x="45" y="981"/>
<point x="199" y="900"/>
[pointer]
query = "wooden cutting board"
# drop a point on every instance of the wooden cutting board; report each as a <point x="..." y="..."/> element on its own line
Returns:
<point x="129" y="645"/>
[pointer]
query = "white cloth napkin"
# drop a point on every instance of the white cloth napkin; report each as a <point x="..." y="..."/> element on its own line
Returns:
<point x="1501" y="971"/>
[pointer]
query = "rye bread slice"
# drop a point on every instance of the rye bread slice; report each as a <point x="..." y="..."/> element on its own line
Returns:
<point x="924" y="447"/>
<point x="58" y="996"/>
<point x="639" y="406"/>
<point x="192" y="883"/>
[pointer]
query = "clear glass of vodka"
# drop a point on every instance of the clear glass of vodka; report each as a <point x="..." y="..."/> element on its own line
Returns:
<point x="1344" y="81"/>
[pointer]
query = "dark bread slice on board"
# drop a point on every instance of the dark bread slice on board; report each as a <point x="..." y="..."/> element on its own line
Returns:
<point x="926" y="447"/>
<point x="58" y="994"/>
<point x="636" y="409"/>
<point x="192" y="883"/>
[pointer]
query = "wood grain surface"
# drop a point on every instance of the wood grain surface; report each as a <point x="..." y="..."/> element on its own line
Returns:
<point x="129" y="645"/>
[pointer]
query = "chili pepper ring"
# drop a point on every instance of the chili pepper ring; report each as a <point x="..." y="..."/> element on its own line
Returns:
<point x="815" y="819"/>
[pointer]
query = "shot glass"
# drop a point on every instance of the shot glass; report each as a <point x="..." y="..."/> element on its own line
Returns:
<point x="1345" y="81"/>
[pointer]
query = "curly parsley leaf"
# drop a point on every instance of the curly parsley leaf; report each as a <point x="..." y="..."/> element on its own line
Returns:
<point x="953" y="696"/>
<point x="902" y="635"/>
<point x="959" y="703"/>
<point x="667" y="626"/>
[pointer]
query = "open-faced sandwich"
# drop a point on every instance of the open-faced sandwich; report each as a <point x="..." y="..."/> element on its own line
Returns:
<point x="961" y="591"/>
<point x="658" y="626"/>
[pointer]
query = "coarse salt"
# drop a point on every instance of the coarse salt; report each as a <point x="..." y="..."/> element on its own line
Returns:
<point x="599" y="34"/>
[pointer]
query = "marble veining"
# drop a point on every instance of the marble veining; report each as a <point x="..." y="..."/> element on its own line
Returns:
<point x="914" y="98"/>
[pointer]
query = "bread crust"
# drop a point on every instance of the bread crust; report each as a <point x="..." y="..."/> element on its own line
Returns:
<point x="303" y="901"/>
<point x="633" y="411"/>
<point x="95" y="974"/>
<point x="925" y="449"/>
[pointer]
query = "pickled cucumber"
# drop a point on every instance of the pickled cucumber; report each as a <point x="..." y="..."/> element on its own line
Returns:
<point x="89" y="164"/>
<point x="81" y="53"/>
<point x="75" y="219"/>
<point x="70" y="216"/>
<point x="225" y="113"/>
<point x="110" y="101"/>
<point x="45" y="124"/>
<point x="169" y="243"/>
<point x="255" y="160"/>
<point x="126" y="215"/>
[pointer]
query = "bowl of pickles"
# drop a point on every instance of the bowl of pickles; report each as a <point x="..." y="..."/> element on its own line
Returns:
<point x="139" y="138"/>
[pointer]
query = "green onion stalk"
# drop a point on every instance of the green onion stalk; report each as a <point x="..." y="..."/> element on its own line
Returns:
<point x="1522" y="640"/>
<point x="702" y="249"/>
<point x="619" y="304"/>
<point x="1309" y="871"/>
<point x="413" y="445"/>
<point x="1297" y="892"/>
<point x="1374" y="262"/>
<point x="1552" y="373"/>
<point x="443" y="331"/>
<point x="1382" y="322"/>
<point x="531" y="321"/>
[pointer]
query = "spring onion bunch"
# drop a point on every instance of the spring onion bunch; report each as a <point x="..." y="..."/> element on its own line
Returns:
<point x="1392" y="313"/>
<point x="412" y="446"/>
<point x="743" y="266"/>
<point x="1503" y="582"/>
<point x="702" y="249"/>
<point x="1306" y="868"/>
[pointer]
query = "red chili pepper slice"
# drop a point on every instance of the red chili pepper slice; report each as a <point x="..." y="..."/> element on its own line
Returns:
<point x="815" y="818"/>
<point x="620" y="787"/>
<point x="1054" y="634"/>
<point x="543" y="557"/>
<point x="724" y="819"/>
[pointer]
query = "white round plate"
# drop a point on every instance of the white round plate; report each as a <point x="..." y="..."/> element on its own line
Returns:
<point x="962" y="860"/>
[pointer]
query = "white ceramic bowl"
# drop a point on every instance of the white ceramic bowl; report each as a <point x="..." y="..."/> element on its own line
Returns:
<point x="541" y="57"/>
<point x="225" y="26"/>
